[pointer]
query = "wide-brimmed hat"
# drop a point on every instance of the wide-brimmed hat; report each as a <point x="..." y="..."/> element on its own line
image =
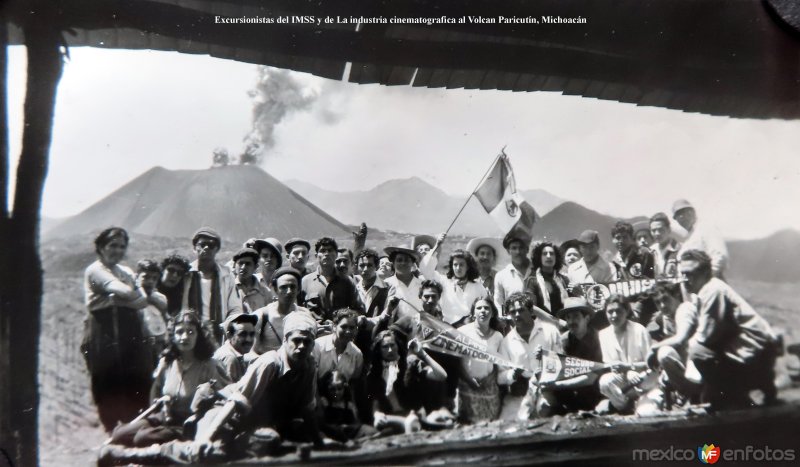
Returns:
<point x="575" y="303"/>
<point x="423" y="239"/>
<point x="500" y="253"/>
<point x="392" y="251"/>
<point x="273" y="244"/>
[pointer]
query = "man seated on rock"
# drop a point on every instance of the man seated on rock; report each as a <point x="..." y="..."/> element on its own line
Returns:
<point x="671" y="328"/>
<point x="733" y="347"/>
<point x="522" y="346"/>
<point x="249" y="289"/>
<point x="269" y="328"/>
<point x="579" y="341"/>
<point x="240" y="334"/>
<point x="625" y="345"/>
<point x="335" y="291"/>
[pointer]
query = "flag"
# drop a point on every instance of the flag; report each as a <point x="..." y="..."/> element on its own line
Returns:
<point x="440" y="337"/>
<point x="498" y="196"/>
<point x="556" y="367"/>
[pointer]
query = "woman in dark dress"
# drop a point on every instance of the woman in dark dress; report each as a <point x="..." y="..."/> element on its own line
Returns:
<point x="546" y="282"/>
<point x="116" y="353"/>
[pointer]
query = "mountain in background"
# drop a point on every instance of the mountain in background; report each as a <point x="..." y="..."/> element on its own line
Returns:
<point x="772" y="259"/>
<point x="238" y="201"/>
<point x="413" y="205"/>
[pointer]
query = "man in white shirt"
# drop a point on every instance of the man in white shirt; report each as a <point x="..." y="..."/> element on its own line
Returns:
<point x="592" y="268"/>
<point x="522" y="346"/>
<point x="701" y="237"/>
<point x="625" y="344"/>
<point x="511" y="279"/>
<point x="665" y="248"/>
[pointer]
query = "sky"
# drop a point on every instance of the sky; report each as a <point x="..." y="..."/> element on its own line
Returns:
<point x="119" y="113"/>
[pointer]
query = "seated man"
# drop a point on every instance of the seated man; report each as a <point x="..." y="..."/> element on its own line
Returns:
<point x="733" y="347"/>
<point x="240" y="333"/>
<point x="521" y="346"/>
<point x="580" y="341"/>
<point x="625" y="345"/>
<point x="672" y="327"/>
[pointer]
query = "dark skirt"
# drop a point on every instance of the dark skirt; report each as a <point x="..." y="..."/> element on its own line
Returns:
<point x="119" y="362"/>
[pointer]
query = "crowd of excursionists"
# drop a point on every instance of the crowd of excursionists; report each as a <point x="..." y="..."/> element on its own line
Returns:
<point x="202" y="361"/>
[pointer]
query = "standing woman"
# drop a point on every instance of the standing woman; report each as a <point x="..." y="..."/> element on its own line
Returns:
<point x="186" y="364"/>
<point x="479" y="395"/>
<point x="547" y="283"/>
<point x="460" y="286"/>
<point x="116" y="353"/>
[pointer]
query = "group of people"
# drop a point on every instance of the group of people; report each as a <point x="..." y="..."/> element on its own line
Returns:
<point x="202" y="360"/>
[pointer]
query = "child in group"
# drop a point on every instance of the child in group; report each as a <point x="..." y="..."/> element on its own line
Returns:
<point x="337" y="411"/>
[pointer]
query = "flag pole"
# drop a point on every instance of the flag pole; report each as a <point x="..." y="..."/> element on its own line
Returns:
<point x="502" y="153"/>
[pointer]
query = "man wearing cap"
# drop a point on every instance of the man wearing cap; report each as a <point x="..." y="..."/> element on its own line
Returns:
<point x="733" y="347"/>
<point x="521" y="346"/>
<point x="269" y="327"/>
<point x="511" y="279"/>
<point x="665" y="248"/>
<point x="249" y="289"/>
<point x="404" y="284"/>
<point x="240" y="333"/>
<point x="701" y="237"/>
<point x="592" y="268"/>
<point x="334" y="290"/>
<point x="297" y="253"/>
<point x="270" y="251"/>
<point x="486" y="251"/>
<point x="209" y="286"/>
<point x="579" y="341"/>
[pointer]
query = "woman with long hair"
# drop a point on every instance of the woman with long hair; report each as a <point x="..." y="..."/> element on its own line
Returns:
<point x="394" y="382"/>
<point x="547" y="283"/>
<point x="479" y="393"/>
<point x="460" y="285"/>
<point x="116" y="353"/>
<point x="185" y="365"/>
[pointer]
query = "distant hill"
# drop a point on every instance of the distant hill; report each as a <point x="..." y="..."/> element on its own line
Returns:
<point x="412" y="205"/>
<point x="239" y="201"/>
<point x="569" y="219"/>
<point x="772" y="259"/>
<point x="47" y="223"/>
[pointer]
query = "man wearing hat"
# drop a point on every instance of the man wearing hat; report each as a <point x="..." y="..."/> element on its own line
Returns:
<point x="592" y="268"/>
<point x="404" y="284"/>
<point x="579" y="341"/>
<point x="511" y="279"/>
<point x="487" y="252"/>
<point x="249" y="289"/>
<point x="701" y="237"/>
<point x="270" y="251"/>
<point x="209" y="288"/>
<point x="422" y="244"/>
<point x="297" y="253"/>
<point x="665" y="248"/>
<point x="240" y="333"/>
<point x="270" y="325"/>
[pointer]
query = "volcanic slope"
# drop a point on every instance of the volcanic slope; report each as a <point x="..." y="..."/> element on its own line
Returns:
<point x="239" y="201"/>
